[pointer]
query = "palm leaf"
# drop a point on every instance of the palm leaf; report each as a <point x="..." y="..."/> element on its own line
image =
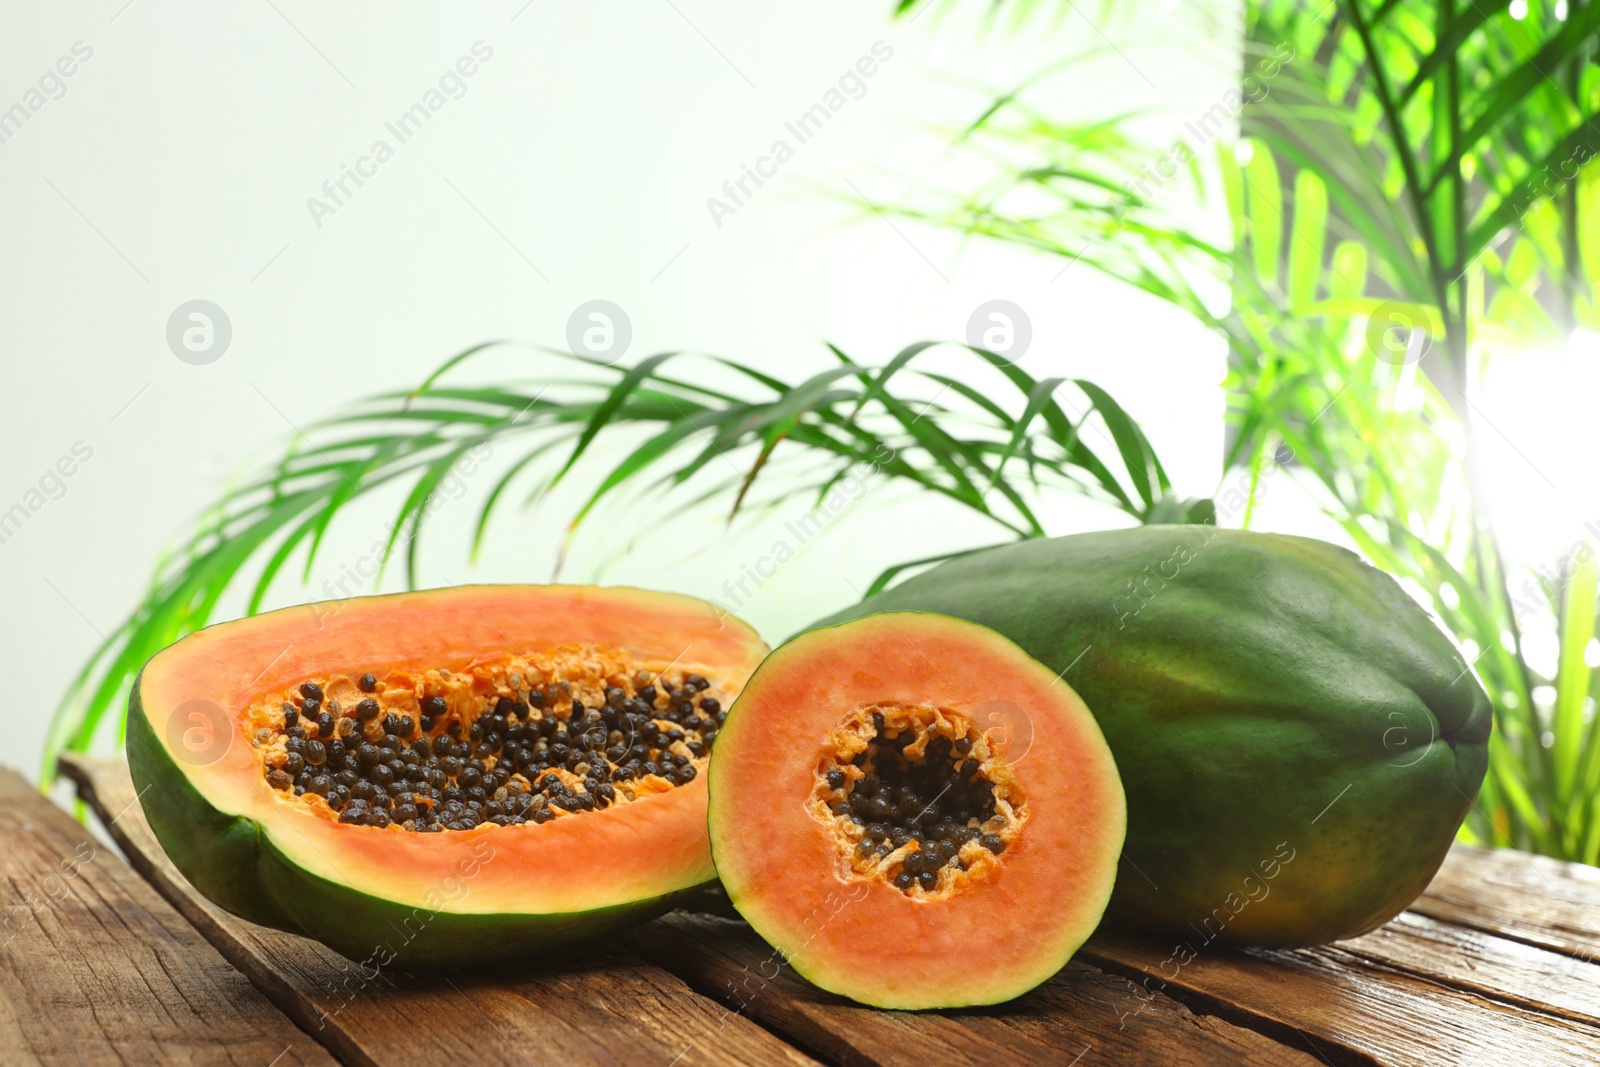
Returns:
<point x="1394" y="162"/>
<point x="893" y="422"/>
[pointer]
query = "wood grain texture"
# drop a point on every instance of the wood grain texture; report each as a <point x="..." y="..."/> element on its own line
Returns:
<point x="1495" y="965"/>
<point x="1534" y="899"/>
<point x="607" y="1007"/>
<point x="96" y="968"/>
<point x="1351" y="1009"/>
<point x="1081" y="1016"/>
<point x="1470" y="959"/>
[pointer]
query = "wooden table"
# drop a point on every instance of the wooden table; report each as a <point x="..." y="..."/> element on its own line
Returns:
<point x="103" y="962"/>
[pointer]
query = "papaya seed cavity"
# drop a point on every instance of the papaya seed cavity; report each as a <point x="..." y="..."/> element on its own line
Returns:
<point x="499" y="741"/>
<point x="914" y="796"/>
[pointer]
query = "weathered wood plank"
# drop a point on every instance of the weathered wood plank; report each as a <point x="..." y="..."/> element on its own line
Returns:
<point x="1535" y="899"/>
<point x="1430" y="988"/>
<point x="1419" y="990"/>
<point x="609" y="1007"/>
<point x="1351" y="1009"/>
<point x="1470" y="959"/>
<point x="1082" y="1015"/>
<point x="96" y="968"/>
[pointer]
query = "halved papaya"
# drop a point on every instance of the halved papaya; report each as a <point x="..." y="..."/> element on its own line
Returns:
<point x="454" y="777"/>
<point x="915" y="813"/>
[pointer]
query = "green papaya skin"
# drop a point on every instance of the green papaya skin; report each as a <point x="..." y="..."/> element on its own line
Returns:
<point x="1298" y="740"/>
<point x="198" y="750"/>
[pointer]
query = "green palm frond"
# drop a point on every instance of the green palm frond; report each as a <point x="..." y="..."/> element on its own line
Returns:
<point x="1419" y="164"/>
<point x="946" y="432"/>
<point x="1008" y="14"/>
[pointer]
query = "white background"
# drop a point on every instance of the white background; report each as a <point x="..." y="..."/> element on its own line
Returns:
<point x="179" y="161"/>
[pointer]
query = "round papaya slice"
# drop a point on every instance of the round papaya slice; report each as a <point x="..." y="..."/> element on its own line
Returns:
<point x="445" y="778"/>
<point x="915" y="813"/>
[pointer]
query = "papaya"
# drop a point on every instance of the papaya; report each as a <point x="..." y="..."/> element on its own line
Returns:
<point x="450" y="778"/>
<point x="914" y="812"/>
<point x="1298" y="740"/>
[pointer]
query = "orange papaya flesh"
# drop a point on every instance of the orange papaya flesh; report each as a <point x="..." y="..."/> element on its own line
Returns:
<point x="444" y="778"/>
<point x="915" y="813"/>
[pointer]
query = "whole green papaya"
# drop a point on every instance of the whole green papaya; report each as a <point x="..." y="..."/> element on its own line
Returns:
<point x="1298" y="740"/>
